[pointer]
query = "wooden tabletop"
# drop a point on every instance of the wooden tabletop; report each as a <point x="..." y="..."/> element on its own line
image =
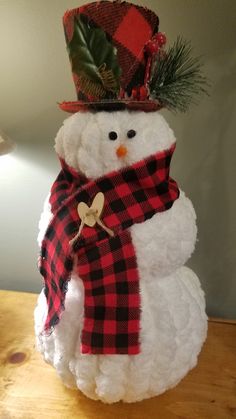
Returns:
<point x="31" y="389"/>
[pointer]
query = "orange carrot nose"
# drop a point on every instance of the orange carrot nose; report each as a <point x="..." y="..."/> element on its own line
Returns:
<point x="121" y="151"/>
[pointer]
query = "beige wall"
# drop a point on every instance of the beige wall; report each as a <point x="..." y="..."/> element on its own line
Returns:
<point x="35" y="74"/>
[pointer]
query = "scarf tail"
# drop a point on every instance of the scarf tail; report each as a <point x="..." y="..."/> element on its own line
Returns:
<point x="112" y="297"/>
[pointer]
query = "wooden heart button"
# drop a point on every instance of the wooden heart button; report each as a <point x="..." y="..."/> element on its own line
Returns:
<point x="87" y="214"/>
<point x="91" y="215"/>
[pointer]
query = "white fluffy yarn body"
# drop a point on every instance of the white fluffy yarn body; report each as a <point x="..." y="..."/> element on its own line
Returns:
<point x="173" y="319"/>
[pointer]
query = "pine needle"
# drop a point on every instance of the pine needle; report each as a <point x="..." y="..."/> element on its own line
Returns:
<point x="176" y="77"/>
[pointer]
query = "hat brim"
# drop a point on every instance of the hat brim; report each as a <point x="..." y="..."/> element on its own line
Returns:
<point x="110" y="105"/>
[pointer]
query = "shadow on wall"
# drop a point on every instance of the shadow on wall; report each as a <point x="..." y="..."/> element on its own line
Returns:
<point x="44" y="125"/>
<point x="211" y="155"/>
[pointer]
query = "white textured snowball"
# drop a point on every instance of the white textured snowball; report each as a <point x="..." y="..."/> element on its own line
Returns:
<point x="173" y="318"/>
<point x="83" y="141"/>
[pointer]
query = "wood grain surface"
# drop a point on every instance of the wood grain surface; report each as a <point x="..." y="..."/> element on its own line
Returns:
<point x="31" y="389"/>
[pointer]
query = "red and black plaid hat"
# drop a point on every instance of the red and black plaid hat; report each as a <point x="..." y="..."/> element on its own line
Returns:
<point x="107" y="45"/>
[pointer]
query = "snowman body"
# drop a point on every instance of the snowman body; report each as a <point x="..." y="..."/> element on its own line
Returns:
<point x="173" y="323"/>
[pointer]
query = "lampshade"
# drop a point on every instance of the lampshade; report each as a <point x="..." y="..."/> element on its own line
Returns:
<point x="6" y="144"/>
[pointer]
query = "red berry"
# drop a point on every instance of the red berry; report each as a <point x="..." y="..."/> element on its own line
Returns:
<point x="91" y="98"/>
<point x="135" y="92"/>
<point x="151" y="47"/>
<point x="143" y="93"/>
<point x="161" y="38"/>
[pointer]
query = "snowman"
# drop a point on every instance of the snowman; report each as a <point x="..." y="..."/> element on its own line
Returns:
<point x="120" y="316"/>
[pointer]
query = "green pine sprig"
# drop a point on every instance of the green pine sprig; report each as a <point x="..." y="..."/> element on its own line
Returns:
<point x="176" y="77"/>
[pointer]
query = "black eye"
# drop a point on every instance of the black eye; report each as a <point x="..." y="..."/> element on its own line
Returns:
<point x="112" y="135"/>
<point x="131" y="133"/>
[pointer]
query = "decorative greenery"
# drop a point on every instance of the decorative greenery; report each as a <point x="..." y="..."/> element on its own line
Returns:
<point x="176" y="77"/>
<point x="94" y="60"/>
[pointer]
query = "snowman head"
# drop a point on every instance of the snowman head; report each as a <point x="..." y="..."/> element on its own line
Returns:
<point x="98" y="143"/>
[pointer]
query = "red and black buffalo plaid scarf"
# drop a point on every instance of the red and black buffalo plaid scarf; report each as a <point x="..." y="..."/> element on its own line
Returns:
<point x="107" y="265"/>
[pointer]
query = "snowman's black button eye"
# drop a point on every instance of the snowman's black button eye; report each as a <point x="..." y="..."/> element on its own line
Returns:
<point x="112" y="135"/>
<point x="131" y="133"/>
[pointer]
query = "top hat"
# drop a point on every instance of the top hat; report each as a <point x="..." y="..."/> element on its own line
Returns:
<point x="110" y="46"/>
